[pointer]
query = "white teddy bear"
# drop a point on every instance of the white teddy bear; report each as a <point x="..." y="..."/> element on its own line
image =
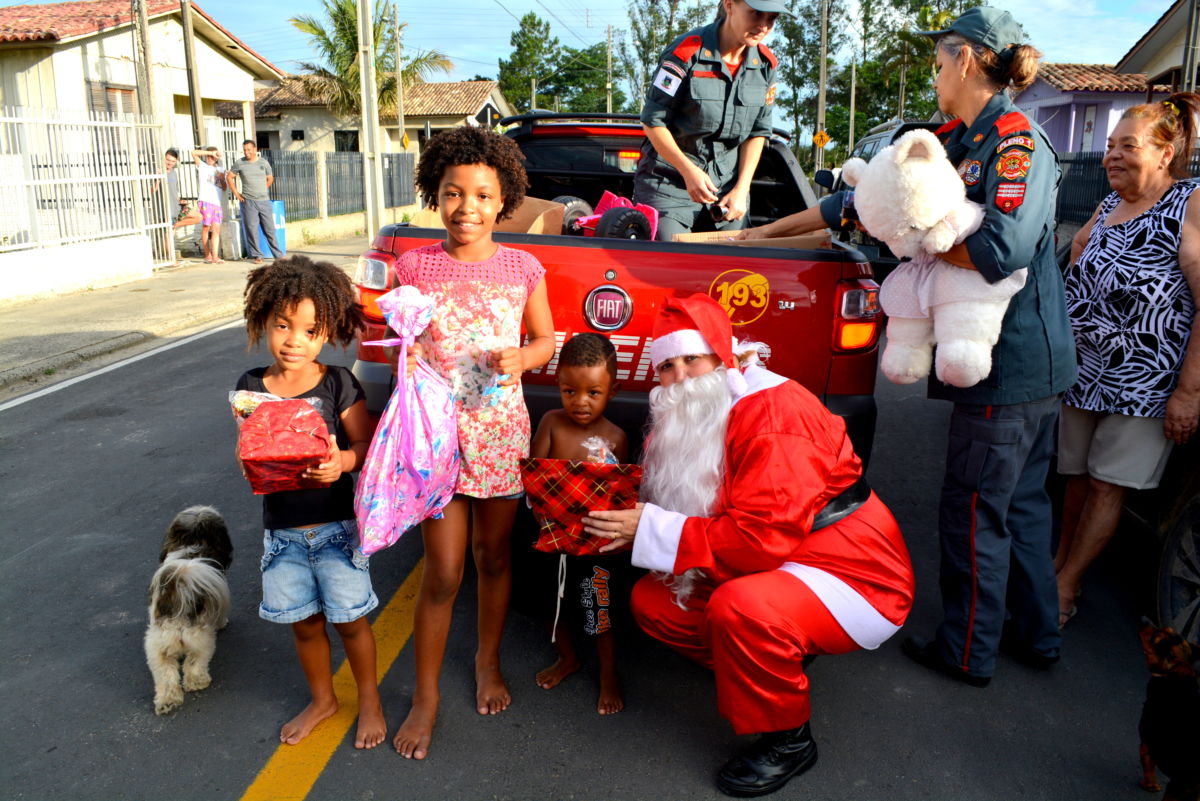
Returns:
<point x="911" y="197"/>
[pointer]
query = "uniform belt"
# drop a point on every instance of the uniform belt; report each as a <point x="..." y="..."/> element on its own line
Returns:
<point x="843" y="505"/>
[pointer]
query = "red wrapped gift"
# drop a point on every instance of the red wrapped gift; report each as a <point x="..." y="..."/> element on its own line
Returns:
<point x="562" y="492"/>
<point x="278" y="442"/>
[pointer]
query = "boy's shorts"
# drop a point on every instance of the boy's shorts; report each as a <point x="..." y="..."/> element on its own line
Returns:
<point x="311" y="570"/>
<point x="1119" y="449"/>
<point x="210" y="213"/>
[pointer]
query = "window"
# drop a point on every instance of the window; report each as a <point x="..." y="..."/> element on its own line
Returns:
<point x="298" y="136"/>
<point x="345" y="141"/>
<point x="262" y="140"/>
<point x="113" y="99"/>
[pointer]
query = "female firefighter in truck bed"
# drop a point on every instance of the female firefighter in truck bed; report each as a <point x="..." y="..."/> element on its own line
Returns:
<point x="707" y="115"/>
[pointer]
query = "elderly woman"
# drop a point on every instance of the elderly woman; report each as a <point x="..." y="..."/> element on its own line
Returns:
<point x="1131" y="293"/>
<point x="707" y="115"/>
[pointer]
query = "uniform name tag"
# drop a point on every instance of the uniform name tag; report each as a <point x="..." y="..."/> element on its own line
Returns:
<point x="667" y="82"/>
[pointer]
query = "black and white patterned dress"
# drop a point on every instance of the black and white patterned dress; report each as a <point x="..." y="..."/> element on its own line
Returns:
<point x="1131" y="309"/>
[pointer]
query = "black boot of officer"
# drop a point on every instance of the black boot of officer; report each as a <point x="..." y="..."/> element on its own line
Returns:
<point x="767" y="765"/>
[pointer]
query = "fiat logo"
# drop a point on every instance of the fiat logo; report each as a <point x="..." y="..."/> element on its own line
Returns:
<point x="608" y="307"/>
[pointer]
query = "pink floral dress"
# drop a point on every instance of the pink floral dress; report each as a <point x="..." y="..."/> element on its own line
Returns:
<point x="477" y="307"/>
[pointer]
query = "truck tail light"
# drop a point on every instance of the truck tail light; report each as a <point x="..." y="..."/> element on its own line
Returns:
<point x="371" y="279"/>
<point x="856" y="325"/>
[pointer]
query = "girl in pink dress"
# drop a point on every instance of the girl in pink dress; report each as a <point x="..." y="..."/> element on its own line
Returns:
<point x="482" y="293"/>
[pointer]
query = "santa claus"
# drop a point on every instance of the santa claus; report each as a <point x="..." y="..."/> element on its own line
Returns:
<point x="766" y="542"/>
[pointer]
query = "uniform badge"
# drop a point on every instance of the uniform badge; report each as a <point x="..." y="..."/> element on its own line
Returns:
<point x="1013" y="164"/>
<point x="667" y="81"/>
<point x="978" y="138"/>
<point x="970" y="172"/>
<point x="1016" y="141"/>
<point x="1009" y="196"/>
<point x="770" y="100"/>
<point x="675" y="68"/>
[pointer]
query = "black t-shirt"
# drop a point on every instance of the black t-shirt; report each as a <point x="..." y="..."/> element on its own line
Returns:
<point x="338" y="391"/>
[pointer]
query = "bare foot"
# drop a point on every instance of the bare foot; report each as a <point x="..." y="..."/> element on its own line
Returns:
<point x="551" y="676"/>
<point x="612" y="700"/>
<point x="491" y="691"/>
<point x="372" y="728"/>
<point x="412" y="739"/>
<point x="298" y="727"/>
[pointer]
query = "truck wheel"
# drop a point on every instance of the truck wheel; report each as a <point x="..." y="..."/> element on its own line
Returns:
<point x="623" y="223"/>
<point x="576" y="207"/>
<point x="1179" y="575"/>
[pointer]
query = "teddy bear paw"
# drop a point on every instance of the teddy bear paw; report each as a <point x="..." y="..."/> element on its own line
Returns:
<point x="905" y="365"/>
<point x="963" y="364"/>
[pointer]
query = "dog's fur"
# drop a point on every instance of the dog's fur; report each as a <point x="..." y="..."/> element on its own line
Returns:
<point x="189" y="601"/>
<point x="1170" y="724"/>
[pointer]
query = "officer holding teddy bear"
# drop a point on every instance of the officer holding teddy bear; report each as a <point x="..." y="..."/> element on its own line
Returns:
<point x="997" y="575"/>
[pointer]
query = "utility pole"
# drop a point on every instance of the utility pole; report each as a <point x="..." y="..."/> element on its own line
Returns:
<point x="532" y="92"/>
<point x="399" y="80"/>
<point x="1187" y="81"/>
<point x="608" y="74"/>
<point x="145" y="89"/>
<point x="189" y="54"/>
<point x="369" y="103"/>
<point x="853" y="86"/>
<point x="819" y="155"/>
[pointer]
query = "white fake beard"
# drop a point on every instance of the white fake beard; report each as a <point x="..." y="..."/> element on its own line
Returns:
<point x="685" y="455"/>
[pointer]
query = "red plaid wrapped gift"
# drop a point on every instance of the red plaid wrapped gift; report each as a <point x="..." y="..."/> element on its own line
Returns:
<point x="562" y="492"/>
<point x="278" y="441"/>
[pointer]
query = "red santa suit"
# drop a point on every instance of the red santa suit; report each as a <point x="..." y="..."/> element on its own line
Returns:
<point x="775" y="590"/>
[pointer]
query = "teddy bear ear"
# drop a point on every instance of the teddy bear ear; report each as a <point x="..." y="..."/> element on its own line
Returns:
<point x="919" y="144"/>
<point x="852" y="170"/>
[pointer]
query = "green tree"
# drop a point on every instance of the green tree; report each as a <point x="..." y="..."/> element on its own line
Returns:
<point x="534" y="59"/>
<point x="335" y="79"/>
<point x="579" y="82"/>
<point x="654" y="24"/>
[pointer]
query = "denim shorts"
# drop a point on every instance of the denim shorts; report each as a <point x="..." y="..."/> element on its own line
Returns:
<point x="311" y="570"/>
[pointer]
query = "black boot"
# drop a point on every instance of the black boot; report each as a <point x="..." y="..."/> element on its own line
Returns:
<point x="769" y="763"/>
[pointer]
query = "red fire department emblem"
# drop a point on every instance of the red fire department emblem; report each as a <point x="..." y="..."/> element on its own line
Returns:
<point x="1013" y="164"/>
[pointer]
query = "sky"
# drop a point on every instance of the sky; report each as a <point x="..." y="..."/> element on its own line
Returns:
<point x="475" y="33"/>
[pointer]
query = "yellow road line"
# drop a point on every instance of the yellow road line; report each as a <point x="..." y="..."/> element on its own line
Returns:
<point x="293" y="770"/>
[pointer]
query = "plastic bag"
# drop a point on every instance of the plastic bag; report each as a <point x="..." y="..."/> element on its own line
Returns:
<point x="411" y="468"/>
<point x="562" y="492"/>
<point x="278" y="439"/>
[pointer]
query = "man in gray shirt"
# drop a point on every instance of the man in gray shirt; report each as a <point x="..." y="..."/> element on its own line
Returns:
<point x="253" y="179"/>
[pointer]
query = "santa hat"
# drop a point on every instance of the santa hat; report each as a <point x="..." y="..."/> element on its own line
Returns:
<point x="696" y="325"/>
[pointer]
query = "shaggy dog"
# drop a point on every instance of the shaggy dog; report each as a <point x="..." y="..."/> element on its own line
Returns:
<point x="189" y="601"/>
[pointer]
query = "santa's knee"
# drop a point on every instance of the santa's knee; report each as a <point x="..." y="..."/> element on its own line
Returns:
<point x="739" y="606"/>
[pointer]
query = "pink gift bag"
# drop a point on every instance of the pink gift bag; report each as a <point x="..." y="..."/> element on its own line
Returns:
<point x="411" y="468"/>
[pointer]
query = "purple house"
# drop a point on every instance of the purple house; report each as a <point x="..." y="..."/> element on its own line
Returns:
<point x="1078" y="105"/>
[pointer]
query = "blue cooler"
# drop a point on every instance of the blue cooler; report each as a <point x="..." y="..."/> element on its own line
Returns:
<point x="277" y="210"/>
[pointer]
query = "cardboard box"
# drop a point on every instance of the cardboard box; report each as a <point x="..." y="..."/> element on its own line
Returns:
<point x="534" y="216"/>
<point x="813" y="241"/>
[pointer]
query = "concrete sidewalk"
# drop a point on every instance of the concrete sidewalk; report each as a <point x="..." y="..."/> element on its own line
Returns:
<point x="40" y="339"/>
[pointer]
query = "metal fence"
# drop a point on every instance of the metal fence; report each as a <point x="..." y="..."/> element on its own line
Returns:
<point x="344" y="178"/>
<point x="295" y="182"/>
<point x="1085" y="184"/>
<point x="74" y="177"/>
<point x="399" y="182"/>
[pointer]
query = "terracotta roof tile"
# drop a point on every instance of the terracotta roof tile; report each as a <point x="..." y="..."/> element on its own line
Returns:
<point x="1093" y="78"/>
<point x="449" y="99"/>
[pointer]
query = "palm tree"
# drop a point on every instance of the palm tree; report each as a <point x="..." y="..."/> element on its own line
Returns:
<point x="335" y="80"/>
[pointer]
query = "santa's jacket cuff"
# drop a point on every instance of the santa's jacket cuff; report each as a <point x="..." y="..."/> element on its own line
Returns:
<point x="657" y="540"/>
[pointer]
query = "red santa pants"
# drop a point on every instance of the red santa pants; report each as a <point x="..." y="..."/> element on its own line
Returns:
<point x="753" y="632"/>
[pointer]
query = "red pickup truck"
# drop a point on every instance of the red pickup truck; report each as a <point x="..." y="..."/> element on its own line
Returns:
<point x="814" y="307"/>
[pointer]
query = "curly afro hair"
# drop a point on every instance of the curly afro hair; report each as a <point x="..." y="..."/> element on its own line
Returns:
<point x="589" y="350"/>
<point x="467" y="144"/>
<point x="285" y="282"/>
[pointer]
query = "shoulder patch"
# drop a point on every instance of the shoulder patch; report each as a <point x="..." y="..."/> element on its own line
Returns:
<point x="948" y="127"/>
<point x="1016" y="141"/>
<point x="1012" y="122"/>
<point x="766" y="53"/>
<point x="687" y="48"/>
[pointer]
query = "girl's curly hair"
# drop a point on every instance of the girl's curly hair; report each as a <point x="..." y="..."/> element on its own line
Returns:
<point x="286" y="282"/>
<point x="467" y="144"/>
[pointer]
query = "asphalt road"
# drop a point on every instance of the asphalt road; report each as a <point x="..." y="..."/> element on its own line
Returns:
<point x="93" y="472"/>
